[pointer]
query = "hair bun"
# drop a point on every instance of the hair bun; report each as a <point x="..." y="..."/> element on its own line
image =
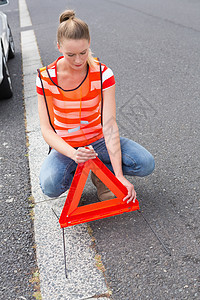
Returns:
<point x="66" y="15"/>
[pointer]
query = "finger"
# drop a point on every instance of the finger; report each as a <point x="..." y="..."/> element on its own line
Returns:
<point x="133" y="197"/>
<point x="86" y="153"/>
<point x="128" y="195"/>
<point x="90" y="147"/>
<point x="126" y="198"/>
<point x="131" y="200"/>
<point x="83" y="157"/>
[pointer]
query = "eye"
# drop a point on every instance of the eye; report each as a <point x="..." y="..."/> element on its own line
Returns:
<point x="84" y="52"/>
<point x="70" y="55"/>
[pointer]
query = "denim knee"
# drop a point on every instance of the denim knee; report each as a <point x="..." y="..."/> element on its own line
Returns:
<point x="141" y="165"/>
<point x="50" y="187"/>
<point x="147" y="165"/>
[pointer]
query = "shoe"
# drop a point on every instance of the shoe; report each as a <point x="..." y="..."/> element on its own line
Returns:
<point x="103" y="192"/>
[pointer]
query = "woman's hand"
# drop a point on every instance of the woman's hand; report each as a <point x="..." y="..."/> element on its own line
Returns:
<point x="83" y="154"/>
<point x="131" y="196"/>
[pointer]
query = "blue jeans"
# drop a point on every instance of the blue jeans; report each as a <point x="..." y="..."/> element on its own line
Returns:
<point x="58" y="170"/>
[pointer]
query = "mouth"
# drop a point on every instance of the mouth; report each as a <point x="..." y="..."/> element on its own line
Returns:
<point x="78" y="65"/>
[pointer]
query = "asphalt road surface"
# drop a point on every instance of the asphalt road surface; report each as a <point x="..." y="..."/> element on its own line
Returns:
<point x="153" y="49"/>
<point x="17" y="245"/>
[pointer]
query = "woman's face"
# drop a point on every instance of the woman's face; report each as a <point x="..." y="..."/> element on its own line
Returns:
<point x="75" y="52"/>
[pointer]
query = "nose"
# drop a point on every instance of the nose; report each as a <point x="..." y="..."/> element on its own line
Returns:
<point x="77" y="59"/>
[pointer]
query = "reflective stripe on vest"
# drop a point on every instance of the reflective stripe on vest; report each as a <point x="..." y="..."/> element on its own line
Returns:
<point x="75" y="114"/>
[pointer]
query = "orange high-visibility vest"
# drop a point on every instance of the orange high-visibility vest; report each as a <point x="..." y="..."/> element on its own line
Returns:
<point x="74" y="114"/>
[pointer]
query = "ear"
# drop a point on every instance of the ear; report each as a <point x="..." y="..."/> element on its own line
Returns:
<point x="59" y="48"/>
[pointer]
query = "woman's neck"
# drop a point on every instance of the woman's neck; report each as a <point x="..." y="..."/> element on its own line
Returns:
<point x="69" y="78"/>
<point x="64" y="68"/>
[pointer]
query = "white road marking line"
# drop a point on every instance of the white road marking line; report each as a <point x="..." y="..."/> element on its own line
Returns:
<point x="85" y="280"/>
<point x="25" y="19"/>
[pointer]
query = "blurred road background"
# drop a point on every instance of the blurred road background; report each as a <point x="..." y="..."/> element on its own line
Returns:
<point x="153" y="49"/>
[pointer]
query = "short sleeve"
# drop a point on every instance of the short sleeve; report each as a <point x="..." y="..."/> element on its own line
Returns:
<point x="108" y="78"/>
<point x="39" y="86"/>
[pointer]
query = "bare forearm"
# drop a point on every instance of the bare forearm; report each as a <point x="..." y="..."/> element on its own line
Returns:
<point x="57" y="143"/>
<point x="112" y="140"/>
<point x="79" y="155"/>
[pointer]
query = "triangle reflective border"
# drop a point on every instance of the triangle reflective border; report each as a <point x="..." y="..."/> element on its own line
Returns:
<point x="73" y="215"/>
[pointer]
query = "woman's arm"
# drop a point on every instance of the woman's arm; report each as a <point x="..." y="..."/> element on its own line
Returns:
<point x="112" y="140"/>
<point x="56" y="142"/>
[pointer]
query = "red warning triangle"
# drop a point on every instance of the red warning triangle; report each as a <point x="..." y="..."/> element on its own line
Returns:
<point x="73" y="215"/>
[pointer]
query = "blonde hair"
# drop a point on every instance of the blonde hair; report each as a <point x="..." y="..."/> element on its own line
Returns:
<point x="73" y="28"/>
